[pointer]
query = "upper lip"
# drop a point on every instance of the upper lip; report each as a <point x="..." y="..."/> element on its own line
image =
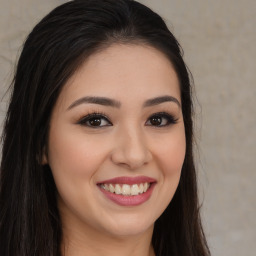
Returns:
<point x="128" y="180"/>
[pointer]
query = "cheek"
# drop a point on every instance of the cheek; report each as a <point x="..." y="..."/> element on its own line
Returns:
<point x="74" y="160"/>
<point x="171" y="153"/>
<point x="74" y="157"/>
<point x="170" y="158"/>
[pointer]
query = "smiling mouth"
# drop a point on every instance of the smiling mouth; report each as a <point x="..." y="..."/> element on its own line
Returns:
<point x="126" y="189"/>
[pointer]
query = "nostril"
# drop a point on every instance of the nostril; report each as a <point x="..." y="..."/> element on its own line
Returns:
<point x="131" y="151"/>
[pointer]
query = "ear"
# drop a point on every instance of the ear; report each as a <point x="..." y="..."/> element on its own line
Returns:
<point x="44" y="159"/>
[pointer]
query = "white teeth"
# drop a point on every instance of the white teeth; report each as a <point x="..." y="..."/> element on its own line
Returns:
<point x="141" y="188"/>
<point x="146" y="185"/>
<point x="111" y="188"/>
<point x="118" y="189"/>
<point x="135" y="190"/>
<point x="105" y="186"/>
<point x="125" y="189"/>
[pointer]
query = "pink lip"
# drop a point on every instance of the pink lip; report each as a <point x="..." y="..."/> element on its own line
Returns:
<point x="128" y="180"/>
<point x="129" y="200"/>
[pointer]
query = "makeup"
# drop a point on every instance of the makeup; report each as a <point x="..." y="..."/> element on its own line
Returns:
<point x="128" y="191"/>
<point x="117" y="143"/>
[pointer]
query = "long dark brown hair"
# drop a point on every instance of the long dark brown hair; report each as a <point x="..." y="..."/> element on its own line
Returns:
<point x="53" y="51"/>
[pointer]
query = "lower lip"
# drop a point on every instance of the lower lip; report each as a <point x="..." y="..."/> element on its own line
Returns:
<point x="129" y="200"/>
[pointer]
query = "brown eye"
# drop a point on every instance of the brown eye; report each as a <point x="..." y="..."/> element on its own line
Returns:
<point x="156" y="120"/>
<point x="95" y="121"/>
<point x="161" y="119"/>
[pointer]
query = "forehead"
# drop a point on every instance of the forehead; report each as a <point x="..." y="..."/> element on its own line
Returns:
<point x="124" y="71"/>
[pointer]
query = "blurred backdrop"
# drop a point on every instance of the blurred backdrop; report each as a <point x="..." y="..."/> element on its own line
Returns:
<point x="218" y="38"/>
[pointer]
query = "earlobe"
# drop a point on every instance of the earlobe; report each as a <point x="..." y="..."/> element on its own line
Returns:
<point x="44" y="159"/>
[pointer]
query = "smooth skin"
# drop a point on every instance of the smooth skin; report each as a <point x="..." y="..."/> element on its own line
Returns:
<point x="126" y="137"/>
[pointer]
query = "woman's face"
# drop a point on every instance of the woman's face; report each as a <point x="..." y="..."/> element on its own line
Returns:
<point x="117" y="142"/>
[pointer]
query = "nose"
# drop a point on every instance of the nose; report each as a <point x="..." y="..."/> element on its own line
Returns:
<point x="131" y="149"/>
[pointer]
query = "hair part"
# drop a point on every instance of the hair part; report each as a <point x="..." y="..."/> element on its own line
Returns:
<point x="58" y="45"/>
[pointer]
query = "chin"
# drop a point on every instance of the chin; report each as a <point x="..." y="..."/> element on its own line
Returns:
<point x="130" y="226"/>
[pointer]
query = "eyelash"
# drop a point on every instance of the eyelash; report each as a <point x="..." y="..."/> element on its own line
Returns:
<point x="95" y="115"/>
<point x="170" y="118"/>
<point x="100" y="115"/>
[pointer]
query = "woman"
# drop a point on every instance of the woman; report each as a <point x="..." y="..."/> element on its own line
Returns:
<point x="97" y="145"/>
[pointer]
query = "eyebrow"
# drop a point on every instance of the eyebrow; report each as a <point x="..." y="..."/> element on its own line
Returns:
<point x="96" y="100"/>
<point x="117" y="104"/>
<point x="161" y="99"/>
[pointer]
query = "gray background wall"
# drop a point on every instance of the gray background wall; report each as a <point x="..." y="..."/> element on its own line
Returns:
<point x="218" y="38"/>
